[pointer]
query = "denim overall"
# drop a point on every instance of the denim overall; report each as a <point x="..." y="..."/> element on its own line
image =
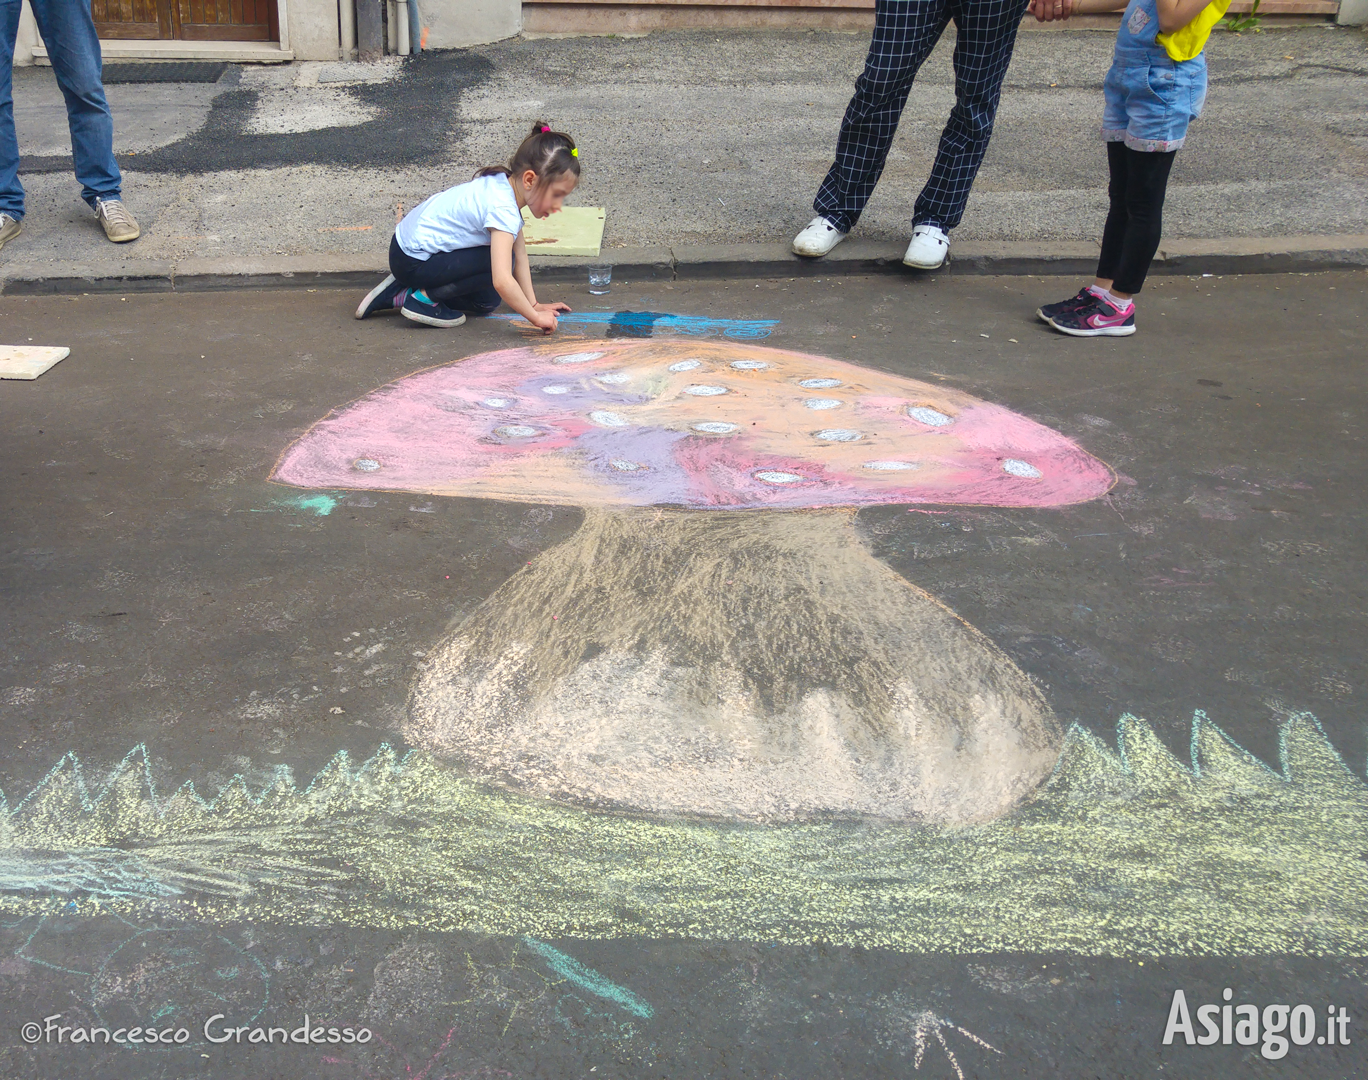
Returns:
<point x="1150" y="97"/>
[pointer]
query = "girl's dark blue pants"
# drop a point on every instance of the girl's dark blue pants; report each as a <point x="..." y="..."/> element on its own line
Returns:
<point x="461" y="279"/>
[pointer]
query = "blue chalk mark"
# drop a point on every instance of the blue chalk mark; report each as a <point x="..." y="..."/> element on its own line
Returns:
<point x="649" y="322"/>
<point x="567" y="967"/>
<point x="321" y="505"/>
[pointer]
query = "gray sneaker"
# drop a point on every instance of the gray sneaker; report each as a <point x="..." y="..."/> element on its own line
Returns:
<point x="119" y="225"/>
<point x="9" y="228"/>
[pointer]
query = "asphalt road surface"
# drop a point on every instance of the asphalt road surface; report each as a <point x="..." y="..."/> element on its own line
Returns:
<point x="173" y="617"/>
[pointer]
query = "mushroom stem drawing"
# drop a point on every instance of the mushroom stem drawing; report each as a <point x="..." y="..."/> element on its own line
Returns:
<point x="715" y="639"/>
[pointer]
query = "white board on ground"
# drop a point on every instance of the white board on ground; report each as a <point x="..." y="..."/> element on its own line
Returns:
<point x="29" y="361"/>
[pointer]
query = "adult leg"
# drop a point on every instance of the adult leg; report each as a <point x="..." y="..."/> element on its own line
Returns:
<point x="987" y="32"/>
<point x="69" y="33"/>
<point x="1147" y="176"/>
<point x="11" y="191"/>
<point x="905" y="32"/>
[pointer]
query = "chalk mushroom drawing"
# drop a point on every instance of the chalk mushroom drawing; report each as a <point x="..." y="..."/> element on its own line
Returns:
<point x="715" y="639"/>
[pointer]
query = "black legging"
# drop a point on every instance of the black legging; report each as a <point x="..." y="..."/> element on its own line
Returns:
<point x="461" y="279"/>
<point x="1136" y="218"/>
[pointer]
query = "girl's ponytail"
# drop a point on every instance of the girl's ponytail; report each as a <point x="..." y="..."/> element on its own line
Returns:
<point x="549" y="154"/>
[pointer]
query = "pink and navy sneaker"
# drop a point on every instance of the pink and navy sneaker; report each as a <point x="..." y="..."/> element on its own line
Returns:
<point x="1083" y="299"/>
<point x="1097" y="318"/>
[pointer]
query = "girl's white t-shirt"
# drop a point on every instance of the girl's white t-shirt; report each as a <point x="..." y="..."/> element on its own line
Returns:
<point x="460" y="217"/>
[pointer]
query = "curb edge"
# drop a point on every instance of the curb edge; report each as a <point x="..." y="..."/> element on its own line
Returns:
<point x="1280" y="255"/>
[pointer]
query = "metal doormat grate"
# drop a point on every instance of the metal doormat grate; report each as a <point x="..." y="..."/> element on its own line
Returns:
<point x="177" y="72"/>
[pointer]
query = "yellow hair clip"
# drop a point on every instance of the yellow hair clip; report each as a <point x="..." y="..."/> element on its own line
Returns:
<point x="574" y="151"/>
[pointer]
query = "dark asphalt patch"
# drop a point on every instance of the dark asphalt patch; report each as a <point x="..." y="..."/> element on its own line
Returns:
<point x="414" y="126"/>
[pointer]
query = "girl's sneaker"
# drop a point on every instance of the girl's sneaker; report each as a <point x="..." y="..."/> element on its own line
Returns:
<point x="387" y="296"/>
<point x="1085" y="297"/>
<point x="421" y="308"/>
<point x="1097" y="318"/>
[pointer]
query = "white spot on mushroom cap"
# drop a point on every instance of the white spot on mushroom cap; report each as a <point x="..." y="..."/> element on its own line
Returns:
<point x="608" y="419"/>
<point x="614" y="377"/>
<point x="715" y="427"/>
<point x="819" y="384"/>
<point x="555" y="389"/>
<point x="622" y="465"/>
<point x="686" y="365"/>
<point x="1025" y="469"/>
<point x="929" y="416"/>
<point x="823" y="403"/>
<point x="891" y="466"/>
<point x="779" y="477"/>
<point x="515" y="431"/>
<point x="496" y="402"/>
<point x="705" y="391"/>
<point x="365" y="464"/>
<point x="838" y="435"/>
<point x="749" y="365"/>
<point x="577" y="358"/>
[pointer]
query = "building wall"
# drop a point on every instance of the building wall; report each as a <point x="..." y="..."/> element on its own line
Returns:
<point x="312" y="29"/>
<point x="454" y="24"/>
<point x="27" y="39"/>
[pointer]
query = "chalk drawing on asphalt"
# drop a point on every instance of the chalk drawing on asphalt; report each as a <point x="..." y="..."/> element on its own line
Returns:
<point x="715" y="639"/>
<point x="1121" y="853"/>
<point x="638" y="324"/>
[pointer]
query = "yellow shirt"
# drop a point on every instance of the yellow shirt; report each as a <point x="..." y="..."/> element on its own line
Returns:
<point x="1187" y="43"/>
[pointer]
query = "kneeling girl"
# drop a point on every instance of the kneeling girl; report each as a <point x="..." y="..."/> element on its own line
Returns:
<point x="463" y="250"/>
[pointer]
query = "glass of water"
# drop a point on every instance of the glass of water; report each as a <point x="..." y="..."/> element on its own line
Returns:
<point x="600" y="278"/>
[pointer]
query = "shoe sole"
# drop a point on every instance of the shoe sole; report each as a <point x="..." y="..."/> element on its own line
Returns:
<point x="362" y="311"/>
<point x="123" y="239"/>
<point x="429" y="320"/>
<point x="1103" y="331"/>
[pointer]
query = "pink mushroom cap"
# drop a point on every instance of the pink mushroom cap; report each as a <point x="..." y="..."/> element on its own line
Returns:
<point x="703" y="425"/>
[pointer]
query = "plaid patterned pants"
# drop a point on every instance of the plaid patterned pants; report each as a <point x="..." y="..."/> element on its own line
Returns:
<point x="905" y="32"/>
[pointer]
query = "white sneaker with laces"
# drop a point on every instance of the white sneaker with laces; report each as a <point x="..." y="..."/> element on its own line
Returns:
<point x="928" y="249"/>
<point x="819" y="237"/>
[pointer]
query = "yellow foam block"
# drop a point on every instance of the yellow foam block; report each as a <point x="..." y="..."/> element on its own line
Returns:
<point x="29" y="361"/>
<point x="575" y="230"/>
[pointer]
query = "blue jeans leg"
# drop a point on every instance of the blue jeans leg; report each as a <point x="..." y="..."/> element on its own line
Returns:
<point x="11" y="191"/>
<point x="69" y="33"/>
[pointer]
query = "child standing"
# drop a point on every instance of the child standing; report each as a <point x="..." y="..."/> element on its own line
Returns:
<point x="463" y="248"/>
<point x="1155" y="88"/>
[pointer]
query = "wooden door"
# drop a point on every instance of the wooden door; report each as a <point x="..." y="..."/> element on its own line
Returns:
<point x="187" y="20"/>
<point x="131" y="18"/>
<point x="226" y="20"/>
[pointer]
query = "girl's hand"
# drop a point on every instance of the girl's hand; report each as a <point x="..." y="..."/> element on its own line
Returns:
<point x="543" y="319"/>
<point x="557" y="307"/>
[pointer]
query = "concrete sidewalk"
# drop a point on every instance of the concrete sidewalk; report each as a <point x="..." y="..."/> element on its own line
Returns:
<point x="706" y="150"/>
